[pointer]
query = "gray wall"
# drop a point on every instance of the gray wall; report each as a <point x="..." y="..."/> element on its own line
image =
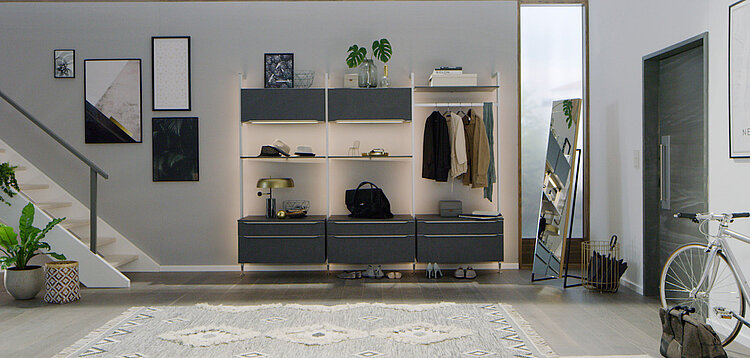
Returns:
<point x="194" y="223"/>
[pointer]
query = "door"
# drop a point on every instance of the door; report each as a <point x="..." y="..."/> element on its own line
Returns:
<point x="674" y="151"/>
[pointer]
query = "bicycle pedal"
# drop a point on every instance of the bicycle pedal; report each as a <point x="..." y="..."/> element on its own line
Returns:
<point x="723" y="313"/>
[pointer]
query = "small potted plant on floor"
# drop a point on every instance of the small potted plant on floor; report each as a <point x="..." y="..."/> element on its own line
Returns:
<point x="22" y="280"/>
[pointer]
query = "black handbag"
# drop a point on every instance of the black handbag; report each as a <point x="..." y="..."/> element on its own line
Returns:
<point x="368" y="203"/>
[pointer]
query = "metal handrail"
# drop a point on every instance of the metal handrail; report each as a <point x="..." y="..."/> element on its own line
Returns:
<point x="95" y="171"/>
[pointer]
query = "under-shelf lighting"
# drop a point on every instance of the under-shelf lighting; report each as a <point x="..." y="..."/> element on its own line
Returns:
<point x="370" y="121"/>
<point x="285" y="121"/>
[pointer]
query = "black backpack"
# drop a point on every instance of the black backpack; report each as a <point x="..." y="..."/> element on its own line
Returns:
<point x="369" y="203"/>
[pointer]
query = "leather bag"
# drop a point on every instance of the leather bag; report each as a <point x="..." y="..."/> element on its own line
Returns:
<point x="686" y="336"/>
<point x="370" y="203"/>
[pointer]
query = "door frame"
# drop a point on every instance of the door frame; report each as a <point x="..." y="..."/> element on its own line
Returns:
<point x="651" y="262"/>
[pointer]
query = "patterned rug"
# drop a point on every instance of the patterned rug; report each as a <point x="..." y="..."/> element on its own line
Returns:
<point x="292" y="330"/>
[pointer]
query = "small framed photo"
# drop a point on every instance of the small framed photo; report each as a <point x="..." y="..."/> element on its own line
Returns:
<point x="279" y="70"/>
<point x="170" y="73"/>
<point x="65" y="63"/>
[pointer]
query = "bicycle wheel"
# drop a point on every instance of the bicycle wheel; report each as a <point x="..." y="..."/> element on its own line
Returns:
<point x="681" y="275"/>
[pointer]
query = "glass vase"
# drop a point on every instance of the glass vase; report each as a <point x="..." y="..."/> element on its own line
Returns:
<point x="368" y="74"/>
<point x="385" y="81"/>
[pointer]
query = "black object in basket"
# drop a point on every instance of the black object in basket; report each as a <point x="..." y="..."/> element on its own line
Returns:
<point x="603" y="271"/>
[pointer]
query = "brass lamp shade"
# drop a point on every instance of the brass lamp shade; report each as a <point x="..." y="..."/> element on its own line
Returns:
<point x="274" y="183"/>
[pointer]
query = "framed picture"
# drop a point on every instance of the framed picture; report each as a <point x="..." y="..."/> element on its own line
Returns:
<point x="65" y="63"/>
<point x="739" y="80"/>
<point x="175" y="149"/>
<point x="112" y="89"/>
<point x="171" y="73"/>
<point x="279" y="70"/>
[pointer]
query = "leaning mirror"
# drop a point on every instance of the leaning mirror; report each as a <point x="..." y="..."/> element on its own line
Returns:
<point x="556" y="189"/>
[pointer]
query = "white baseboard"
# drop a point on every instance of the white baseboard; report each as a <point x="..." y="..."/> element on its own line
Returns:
<point x="510" y="266"/>
<point x="323" y="267"/>
<point x="631" y="285"/>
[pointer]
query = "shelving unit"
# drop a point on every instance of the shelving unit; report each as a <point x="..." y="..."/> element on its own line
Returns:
<point x="331" y="117"/>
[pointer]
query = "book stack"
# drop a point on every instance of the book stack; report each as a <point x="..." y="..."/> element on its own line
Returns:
<point x="452" y="76"/>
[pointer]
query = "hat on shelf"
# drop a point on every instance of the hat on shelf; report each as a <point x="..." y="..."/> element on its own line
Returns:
<point x="278" y="148"/>
<point x="304" y="151"/>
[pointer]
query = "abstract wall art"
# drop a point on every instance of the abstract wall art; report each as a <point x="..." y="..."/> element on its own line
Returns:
<point x="171" y="73"/>
<point x="65" y="61"/>
<point x="279" y="70"/>
<point x="112" y="89"/>
<point x="739" y="80"/>
<point x="175" y="149"/>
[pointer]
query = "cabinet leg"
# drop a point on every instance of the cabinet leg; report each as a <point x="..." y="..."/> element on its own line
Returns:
<point x="499" y="267"/>
<point x="242" y="270"/>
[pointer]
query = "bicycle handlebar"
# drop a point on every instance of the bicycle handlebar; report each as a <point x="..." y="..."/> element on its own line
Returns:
<point x="708" y="216"/>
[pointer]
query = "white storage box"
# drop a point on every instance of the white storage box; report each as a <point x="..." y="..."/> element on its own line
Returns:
<point x="463" y="79"/>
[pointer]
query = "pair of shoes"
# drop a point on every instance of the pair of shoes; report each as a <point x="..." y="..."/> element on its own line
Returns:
<point x="373" y="271"/>
<point x="394" y="275"/>
<point x="460" y="273"/>
<point x="465" y="273"/>
<point x="470" y="273"/>
<point x="433" y="270"/>
<point x="350" y="275"/>
<point x="379" y="272"/>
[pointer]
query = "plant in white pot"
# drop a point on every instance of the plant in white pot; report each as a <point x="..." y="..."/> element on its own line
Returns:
<point x="21" y="280"/>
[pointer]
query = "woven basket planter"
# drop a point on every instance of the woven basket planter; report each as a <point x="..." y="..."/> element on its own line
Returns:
<point x="61" y="283"/>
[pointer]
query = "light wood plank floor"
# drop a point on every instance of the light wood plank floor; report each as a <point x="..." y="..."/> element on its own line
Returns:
<point x="574" y="321"/>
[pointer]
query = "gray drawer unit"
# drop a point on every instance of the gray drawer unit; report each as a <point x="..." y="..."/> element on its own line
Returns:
<point x="458" y="240"/>
<point x="369" y="103"/>
<point x="371" y="241"/>
<point x="262" y="240"/>
<point x="370" y="249"/>
<point x="267" y="104"/>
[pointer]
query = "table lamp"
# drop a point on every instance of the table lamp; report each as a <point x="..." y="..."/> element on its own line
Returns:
<point x="270" y="184"/>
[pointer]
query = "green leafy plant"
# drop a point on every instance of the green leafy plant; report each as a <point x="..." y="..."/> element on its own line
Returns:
<point x="381" y="49"/>
<point x="18" y="249"/>
<point x="8" y="182"/>
<point x="568" y="110"/>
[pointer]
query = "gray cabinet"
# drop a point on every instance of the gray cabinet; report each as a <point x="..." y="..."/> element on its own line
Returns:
<point x="458" y="240"/>
<point x="371" y="241"/>
<point x="369" y="103"/>
<point x="263" y="240"/>
<point x="269" y="104"/>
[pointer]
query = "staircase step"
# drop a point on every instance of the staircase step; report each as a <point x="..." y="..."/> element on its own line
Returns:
<point x="21" y="169"/>
<point x="75" y="223"/>
<point x="2" y="150"/>
<point x="27" y="187"/>
<point x="53" y="205"/>
<point x="100" y="241"/>
<point x="120" y="260"/>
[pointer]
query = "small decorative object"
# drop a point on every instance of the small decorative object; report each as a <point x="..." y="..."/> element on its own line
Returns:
<point x="376" y="152"/>
<point x="171" y="73"/>
<point x="385" y="82"/>
<point x="303" y="78"/>
<point x="739" y="86"/>
<point x="61" y="284"/>
<point x="367" y="71"/>
<point x="270" y="184"/>
<point x="279" y="70"/>
<point x="351" y="80"/>
<point x="450" y="208"/>
<point x="296" y="208"/>
<point x="304" y="151"/>
<point x="354" y="149"/>
<point x="8" y="182"/>
<point x="281" y="214"/>
<point x="112" y="89"/>
<point x="65" y="61"/>
<point x="175" y="149"/>
<point x="22" y="281"/>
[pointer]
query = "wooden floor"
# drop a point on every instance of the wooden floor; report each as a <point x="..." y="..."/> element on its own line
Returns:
<point x="574" y="321"/>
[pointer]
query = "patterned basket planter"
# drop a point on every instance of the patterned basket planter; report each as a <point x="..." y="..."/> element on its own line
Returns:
<point x="62" y="284"/>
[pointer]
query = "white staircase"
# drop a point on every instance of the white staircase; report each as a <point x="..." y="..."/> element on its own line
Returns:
<point x="71" y="238"/>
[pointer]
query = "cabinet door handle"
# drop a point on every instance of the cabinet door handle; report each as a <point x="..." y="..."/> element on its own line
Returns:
<point x="371" y="236"/>
<point x="281" y="237"/>
<point x="464" y="235"/>
<point x="460" y="222"/>
<point x="281" y="223"/>
<point x="370" y="222"/>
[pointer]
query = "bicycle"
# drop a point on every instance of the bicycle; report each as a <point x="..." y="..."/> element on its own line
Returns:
<point x="708" y="278"/>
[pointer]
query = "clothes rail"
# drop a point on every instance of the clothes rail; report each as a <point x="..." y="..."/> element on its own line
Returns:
<point x="452" y="104"/>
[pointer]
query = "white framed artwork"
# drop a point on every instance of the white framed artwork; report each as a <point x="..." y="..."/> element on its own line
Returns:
<point x="171" y="73"/>
<point x="739" y="80"/>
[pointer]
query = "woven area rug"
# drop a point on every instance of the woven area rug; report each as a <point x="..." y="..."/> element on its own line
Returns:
<point x="291" y="330"/>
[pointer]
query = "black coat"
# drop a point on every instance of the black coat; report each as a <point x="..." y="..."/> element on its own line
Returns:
<point x="436" y="151"/>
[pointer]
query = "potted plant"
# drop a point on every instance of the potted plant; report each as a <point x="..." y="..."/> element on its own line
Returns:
<point x="23" y="281"/>
<point x="8" y="183"/>
<point x="367" y="71"/>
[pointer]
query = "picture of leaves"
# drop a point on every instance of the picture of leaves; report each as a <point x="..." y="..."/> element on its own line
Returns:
<point x="65" y="63"/>
<point x="279" y="70"/>
<point x="175" y="149"/>
<point x="112" y="89"/>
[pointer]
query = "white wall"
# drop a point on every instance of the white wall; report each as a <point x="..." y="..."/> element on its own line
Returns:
<point x="621" y="33"/>
<point x="195" y="223"/>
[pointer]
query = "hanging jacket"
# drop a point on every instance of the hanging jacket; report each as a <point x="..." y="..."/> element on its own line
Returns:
<point x="458" y="146"/>
<point x="436" y="148"/>
<point x="466" y="178"/>
<point x="489" y="124"/>
<point x="480" y="152"/>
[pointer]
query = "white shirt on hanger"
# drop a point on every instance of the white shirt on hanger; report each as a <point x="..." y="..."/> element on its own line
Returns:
<point x="459" y="160"/>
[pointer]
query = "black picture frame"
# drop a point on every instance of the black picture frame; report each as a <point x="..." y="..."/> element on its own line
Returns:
<point x="154" y="106"/>
<point x="56" y="70"/>
<point x="169" y="138"/>
<point x="91" y="135"/>
<point x="278" y="70"/>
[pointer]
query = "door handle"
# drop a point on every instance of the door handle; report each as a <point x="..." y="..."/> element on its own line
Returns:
<point x="665" y="175"/>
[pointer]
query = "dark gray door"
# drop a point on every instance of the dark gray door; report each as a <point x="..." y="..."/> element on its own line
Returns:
<point x="675" y="153"/>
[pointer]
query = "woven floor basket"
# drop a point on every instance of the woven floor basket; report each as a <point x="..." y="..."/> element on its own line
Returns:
<point x="61" y="282"/>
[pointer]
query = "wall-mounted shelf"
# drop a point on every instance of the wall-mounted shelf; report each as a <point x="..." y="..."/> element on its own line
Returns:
<point x="362" y="158"/>
<point x="316" y="159"/>
<point x="455" y="88"/>
<point x="264" y="105"/>
<point x="351" y="104"/>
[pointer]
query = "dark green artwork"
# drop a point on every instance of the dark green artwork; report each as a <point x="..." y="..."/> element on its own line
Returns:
<point x="175" y="146"/>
